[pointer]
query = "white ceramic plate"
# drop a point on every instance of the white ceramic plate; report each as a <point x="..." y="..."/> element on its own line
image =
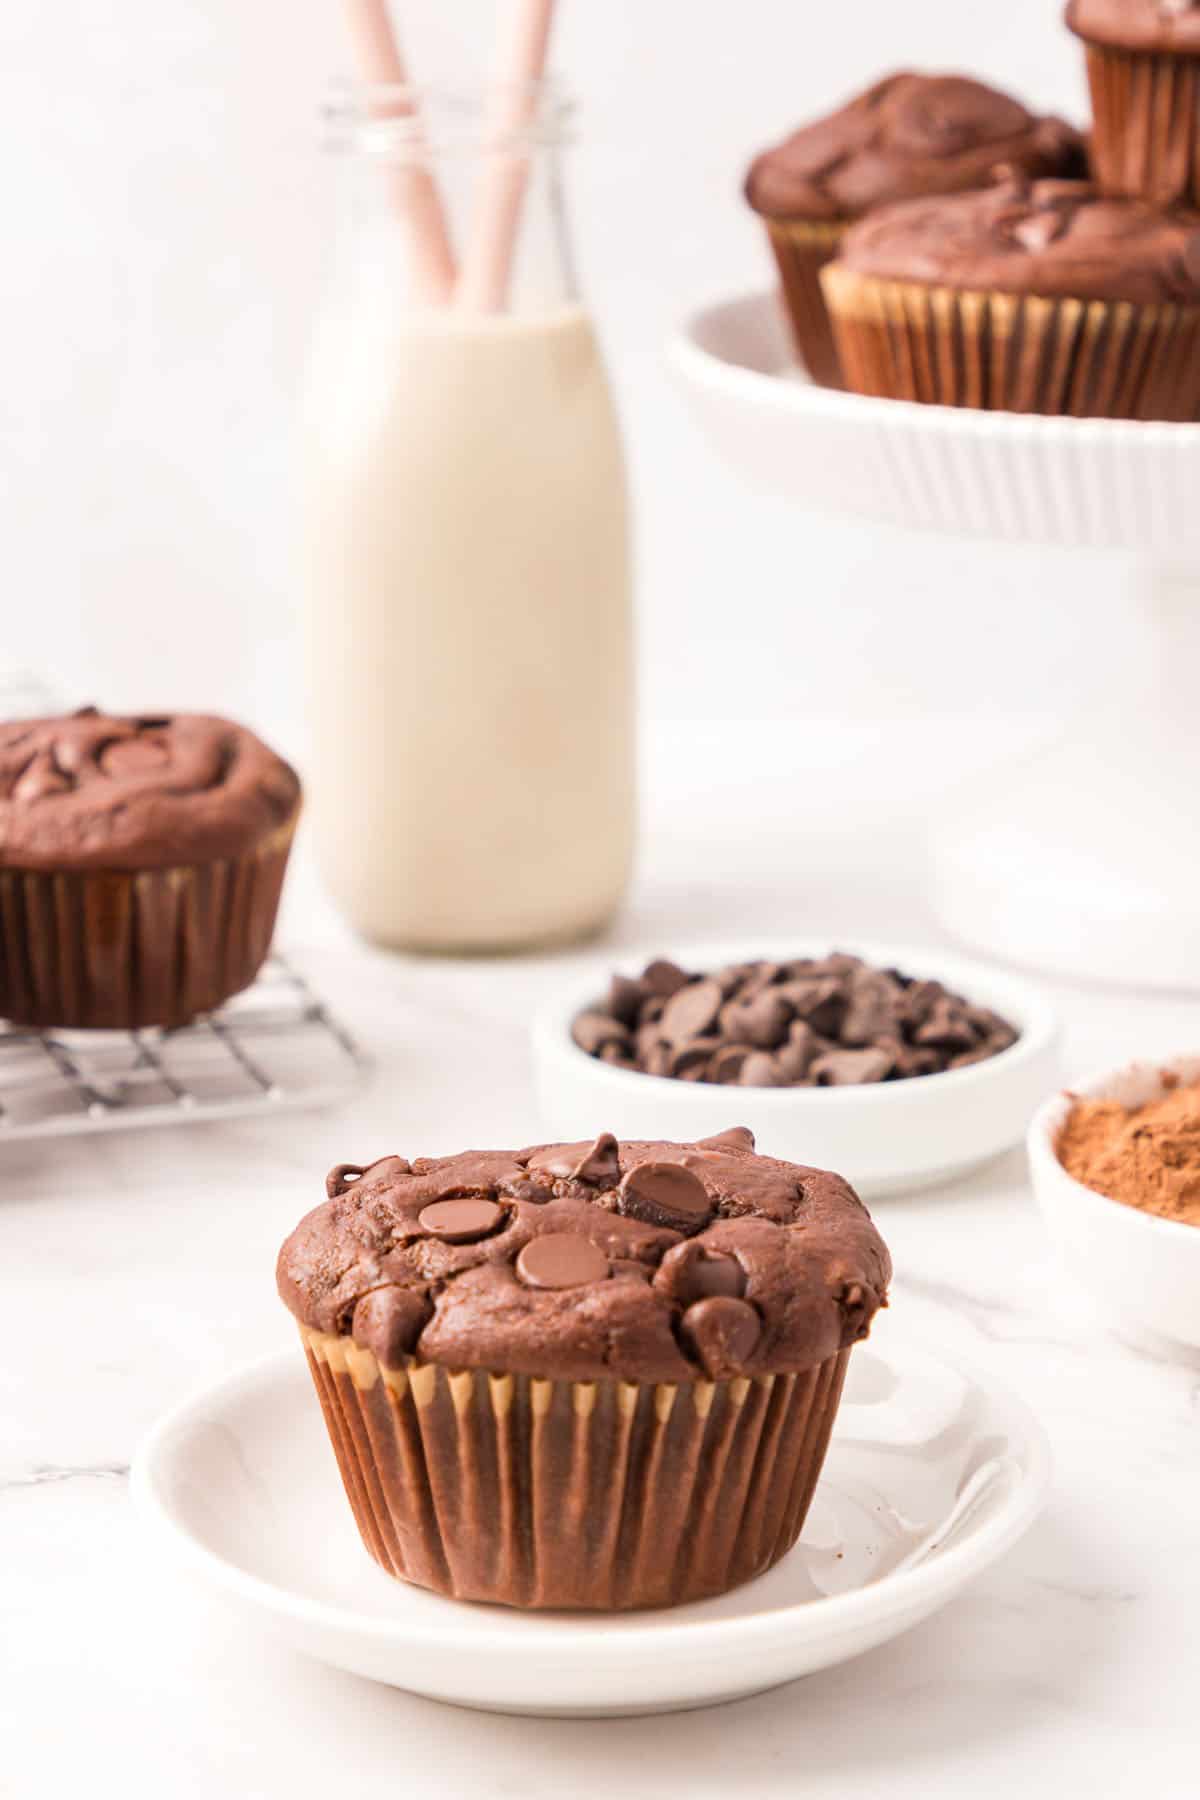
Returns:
<point x="885" y="1138"/>
<point x="1021" y="477"/>
<point x="932" y="1475"/>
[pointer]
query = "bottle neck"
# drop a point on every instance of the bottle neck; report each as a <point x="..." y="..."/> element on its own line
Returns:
<point x="461" y="208"/>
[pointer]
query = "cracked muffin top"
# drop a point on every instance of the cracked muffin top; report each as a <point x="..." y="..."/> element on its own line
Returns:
<point x="92" y="790"/>
<point x="909" y="135"/>
<point x="640" y="1261"/>
<point x="1048" y="238"/>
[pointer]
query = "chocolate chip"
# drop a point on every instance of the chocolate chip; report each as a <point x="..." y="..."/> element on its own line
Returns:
<point x="388" y="1166"/>
<point x="967" y="1058"/>
<point x="523" y="1189"/>
<point x="560" y="1259"/>
<point x="690" y="1062"/>
<point x="389" y="1320"/>
<point x="664" y="978"/>
<point x="341" y="1177"/>
<point x="847" y="1068"/>
<point x="601" y="1163"/>
<point x="624" y="998"/>
<point x="907" y="1060"/>
<point x="760" y="1070"/>
<point x="460" y="1221"/>
<point x="731" y="978"/>
<point x="738" y="1137"/>
<point x="800" y="1023"/>
<point x="920" y="998"/>
<point x="793" y="1059"/>
<point x="990" y="1026"/>
<point x="946" y="1028"/>
<point x="854" y="1301"/>
<point x="665" y="1193"/>
<point x="723" y="1332"/>
<point x="593" y="1030"/>
<point x="709" y="1273"/>
<point x="761" y="1020"/>
<point x="691" y="1012"/>
<point x="727" y="1063"/>
<point x="649" y="1038"/>
<point x="761" y="975"/>
<point x="346" y="1175"/>
<point x="819" y="999"/>
<point x="595" y="1162"/>
<point x="838" y="962"/>
<point x="872" y="1006"/>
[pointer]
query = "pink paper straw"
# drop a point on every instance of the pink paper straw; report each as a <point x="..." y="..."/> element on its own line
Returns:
<point x="418" y="201"/>
<point x="487" y="264"/>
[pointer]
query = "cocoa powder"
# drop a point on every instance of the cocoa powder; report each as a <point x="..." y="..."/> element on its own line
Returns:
<point x="1145" y="1156"/>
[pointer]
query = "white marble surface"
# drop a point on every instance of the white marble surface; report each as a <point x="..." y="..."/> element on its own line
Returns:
<point x="133" y="1267"/>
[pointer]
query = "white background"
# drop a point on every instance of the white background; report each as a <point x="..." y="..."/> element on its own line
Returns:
<point x="165" y="217"/>
<point x="164" y="222"/>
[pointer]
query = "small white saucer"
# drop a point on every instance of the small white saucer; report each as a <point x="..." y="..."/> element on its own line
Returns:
<point x="886" y="1137"/>
<point x="933" y="1474"/>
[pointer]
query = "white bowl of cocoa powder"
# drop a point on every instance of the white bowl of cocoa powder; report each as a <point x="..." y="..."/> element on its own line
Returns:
<point x="1116" y="1171"/>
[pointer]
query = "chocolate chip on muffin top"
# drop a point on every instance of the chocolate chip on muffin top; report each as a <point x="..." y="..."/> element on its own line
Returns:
<point x="908" y="135"/>
<point x="640" y="1261"/>
<point x="94" y="791"/>
<point x="1048" y="238"/>
<point x="1171" y="25"/>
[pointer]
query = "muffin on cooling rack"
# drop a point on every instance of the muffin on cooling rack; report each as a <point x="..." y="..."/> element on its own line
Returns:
<point x="906" y="137"/>
<point x="141" y="862"/>
<point x="1143" y="64"/>
<point x="591" y="1375"/>
<point x="1028" y="297"/>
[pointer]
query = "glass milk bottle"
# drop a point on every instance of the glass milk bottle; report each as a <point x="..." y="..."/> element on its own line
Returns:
<point x="466" y="551"/>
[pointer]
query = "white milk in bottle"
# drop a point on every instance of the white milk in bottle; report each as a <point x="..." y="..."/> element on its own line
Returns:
<point x="468" y="602"/>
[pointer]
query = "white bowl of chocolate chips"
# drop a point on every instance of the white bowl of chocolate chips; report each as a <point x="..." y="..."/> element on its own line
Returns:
<point x="899" y="1067"/>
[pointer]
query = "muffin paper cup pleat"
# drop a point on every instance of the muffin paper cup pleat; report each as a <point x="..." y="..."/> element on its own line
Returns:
<point x="1146" y="130"/>
<point x="801" y="252"/>
<point x="1012" y="353"/>
<point x="581" y="1494"/>
<point x="121" y="951"/>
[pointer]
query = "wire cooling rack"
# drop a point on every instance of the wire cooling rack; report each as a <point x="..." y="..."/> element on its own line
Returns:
<point x="277" y="1045"/>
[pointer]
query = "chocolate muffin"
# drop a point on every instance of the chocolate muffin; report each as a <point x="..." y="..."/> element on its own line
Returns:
<point x="141" y="861"/>
<point x="582" y="1375"/>
<point x="1042" y="297"/>
<point x="907" y="137"/>
<point x="1143" y="64"/>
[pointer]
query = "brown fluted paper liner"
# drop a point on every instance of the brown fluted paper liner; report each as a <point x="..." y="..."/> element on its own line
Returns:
<point x="801" y="251"/>
<point x="596" y="1494"/>
<point x="1146" y="127"/>
<point x="111" y="950"/>
<point x="1012" y="353"/>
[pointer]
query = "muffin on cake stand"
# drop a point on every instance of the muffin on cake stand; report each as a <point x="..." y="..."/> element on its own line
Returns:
<point x="1031" y="866"/>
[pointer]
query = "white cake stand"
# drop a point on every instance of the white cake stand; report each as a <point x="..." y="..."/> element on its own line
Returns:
<point x="1085" y="858"/>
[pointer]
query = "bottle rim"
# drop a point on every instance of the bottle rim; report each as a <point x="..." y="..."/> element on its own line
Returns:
<point x="400" y="121"/>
